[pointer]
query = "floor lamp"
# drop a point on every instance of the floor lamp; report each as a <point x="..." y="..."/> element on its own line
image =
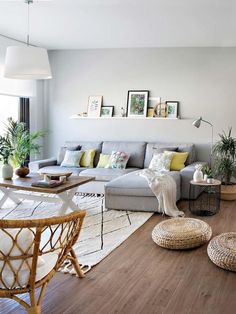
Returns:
<point x="197" y="124"/>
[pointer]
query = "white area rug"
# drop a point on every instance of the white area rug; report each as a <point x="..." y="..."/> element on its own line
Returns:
<point x="116" y="226"/>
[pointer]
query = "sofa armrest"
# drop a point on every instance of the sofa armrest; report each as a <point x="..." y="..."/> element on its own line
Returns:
<point x="186" y="176"/>
<point x="36" y="165"/>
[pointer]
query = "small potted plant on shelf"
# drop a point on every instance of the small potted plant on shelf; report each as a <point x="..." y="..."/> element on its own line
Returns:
<point x="6" y="151"/>
<point x="224" y="152"/>
<point x="23" y="143"/>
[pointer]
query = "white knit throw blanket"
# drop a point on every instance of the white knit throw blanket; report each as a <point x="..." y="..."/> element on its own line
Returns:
<point x="164" y="188"/>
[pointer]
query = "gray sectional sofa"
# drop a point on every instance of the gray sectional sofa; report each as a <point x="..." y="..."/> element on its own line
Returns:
<point x="124" y="189"/>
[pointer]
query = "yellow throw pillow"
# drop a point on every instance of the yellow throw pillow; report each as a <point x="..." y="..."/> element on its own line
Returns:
<point x="178" y="160"/>
<point x="87" y="158"/>
<point x="103" y="161"/>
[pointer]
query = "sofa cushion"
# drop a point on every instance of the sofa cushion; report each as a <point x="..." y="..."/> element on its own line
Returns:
<point x="151" y="148"/>
<point x="72" y="158"/>
<point x="62" y="152"/>
<point x="86" y="146"/>
<point x="136" y="150"/>
<point x="58" y="169"/>
<point x="104" y="174"/>
<point x="132" y="184"/>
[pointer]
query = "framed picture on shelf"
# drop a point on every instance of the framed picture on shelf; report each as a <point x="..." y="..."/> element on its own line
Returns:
<point x="94" y="106"/>
<point x="137" y="103"/>
<point x="107" y="111"/>
<point x="172" y="109"/>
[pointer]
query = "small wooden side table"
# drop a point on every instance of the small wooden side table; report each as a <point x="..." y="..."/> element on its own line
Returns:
<point x="208" y="201"/>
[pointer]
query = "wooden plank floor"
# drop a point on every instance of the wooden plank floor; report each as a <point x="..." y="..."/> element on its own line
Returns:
<point x="140" y="277"/>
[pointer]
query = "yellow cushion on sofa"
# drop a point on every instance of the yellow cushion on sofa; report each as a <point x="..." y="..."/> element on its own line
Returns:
<point x="87" y="158"/>
<point x="103" y="161"/>
<point x="178" y="160"/>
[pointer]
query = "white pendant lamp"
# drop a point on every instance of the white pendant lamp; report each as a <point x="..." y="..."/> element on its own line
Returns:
<point x="27" y="62"/>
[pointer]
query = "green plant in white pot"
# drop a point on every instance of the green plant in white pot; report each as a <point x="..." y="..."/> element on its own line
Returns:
<point x="23" y="143"/>
<point x="224" y="152"/>
<point x="6" y="152"/>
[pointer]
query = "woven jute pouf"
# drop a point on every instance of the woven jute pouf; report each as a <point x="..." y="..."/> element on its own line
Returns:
<point x="222" y="250"/>
<point x="181" y="233"/>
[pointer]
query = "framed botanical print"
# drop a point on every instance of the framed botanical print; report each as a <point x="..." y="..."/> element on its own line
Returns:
<point x="172" y="109"/>
<point x="137" y="103"/>
<point x="107" y="111"/>
<point x="94" y="106"/>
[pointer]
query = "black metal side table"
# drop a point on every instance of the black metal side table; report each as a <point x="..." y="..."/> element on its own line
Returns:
<point x="208" y="201"/>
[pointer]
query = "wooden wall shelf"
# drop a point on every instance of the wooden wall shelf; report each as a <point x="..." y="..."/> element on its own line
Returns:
<point x="75" y="116"/>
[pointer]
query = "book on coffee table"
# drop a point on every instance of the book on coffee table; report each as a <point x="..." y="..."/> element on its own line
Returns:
<point x="47" y="184"/>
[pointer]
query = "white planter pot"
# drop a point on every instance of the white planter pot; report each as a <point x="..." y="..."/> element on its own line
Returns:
<point x="7" y="172"/>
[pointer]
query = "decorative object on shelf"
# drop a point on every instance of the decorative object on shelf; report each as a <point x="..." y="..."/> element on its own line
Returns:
<point x="137" y="103"/>
<point x="22" y="142"/>
<point x="160" y="111"/>
<point x="224" y="152"/>
<point x="27" y="62"/>
<point x="172" y="109"/>
<point x="107" y="111"/>
<point x="94" y="106"/>
<point x="150" y="113"/>
<point x="198" y="174"/>
<point x="197" y="124"/>
<point x="5" y="154"/>
<point x="122" y="112"/>
<point x="208" y="201"/>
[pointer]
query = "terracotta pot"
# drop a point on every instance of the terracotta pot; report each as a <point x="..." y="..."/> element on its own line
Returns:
<point x="228" y="192"/>
<point x="22" y="172"/>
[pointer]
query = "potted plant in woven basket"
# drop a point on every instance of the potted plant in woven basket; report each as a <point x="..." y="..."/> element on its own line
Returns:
<point x="23" y="143"/>
<point x="224" y="152"/>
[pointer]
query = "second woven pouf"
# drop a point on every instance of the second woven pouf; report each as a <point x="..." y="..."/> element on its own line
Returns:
<point x="181" y="233"/>
<point x="222" y="250"/>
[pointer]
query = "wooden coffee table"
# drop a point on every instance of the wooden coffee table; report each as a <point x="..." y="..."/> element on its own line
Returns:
<point x="63" y="194"/>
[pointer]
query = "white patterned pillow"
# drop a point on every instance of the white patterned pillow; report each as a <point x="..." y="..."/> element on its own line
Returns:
<point x="72" y="158"/>
<point x="161" y="162"/>
<point x="118" y="160"/>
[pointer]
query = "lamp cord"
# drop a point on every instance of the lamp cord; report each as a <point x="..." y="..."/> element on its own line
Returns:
<point x="28" y="24"/>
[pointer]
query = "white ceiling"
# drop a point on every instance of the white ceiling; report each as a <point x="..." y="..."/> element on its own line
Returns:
<point x="80" y="24"/>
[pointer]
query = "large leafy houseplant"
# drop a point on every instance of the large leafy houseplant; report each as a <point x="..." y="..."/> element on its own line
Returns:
<point x="224" y="152"/>
<point x="23" y="142"/>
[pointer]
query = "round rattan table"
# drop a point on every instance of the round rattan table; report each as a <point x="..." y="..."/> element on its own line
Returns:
<point x="181" y="233"/>
<point x="222" y="250"/>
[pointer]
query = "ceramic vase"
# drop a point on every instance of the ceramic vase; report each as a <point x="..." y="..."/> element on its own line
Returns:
<point x="22" y="172"/>
<point x="198" y="174"/>
<point x="7" y="172"/>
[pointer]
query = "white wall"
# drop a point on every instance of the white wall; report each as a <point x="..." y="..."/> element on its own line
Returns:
<point x="202" y="79"/>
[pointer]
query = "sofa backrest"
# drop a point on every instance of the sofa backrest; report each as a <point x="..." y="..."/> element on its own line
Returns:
<point x="135" y="149"/>
<point x="85" y="146"/>
<point x="151" y="148"/>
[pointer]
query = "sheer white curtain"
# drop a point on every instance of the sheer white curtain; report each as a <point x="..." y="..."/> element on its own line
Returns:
<point x="9" y="107"/>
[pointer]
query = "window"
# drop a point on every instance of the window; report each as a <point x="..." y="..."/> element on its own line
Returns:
<point x="9" y="107"/>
